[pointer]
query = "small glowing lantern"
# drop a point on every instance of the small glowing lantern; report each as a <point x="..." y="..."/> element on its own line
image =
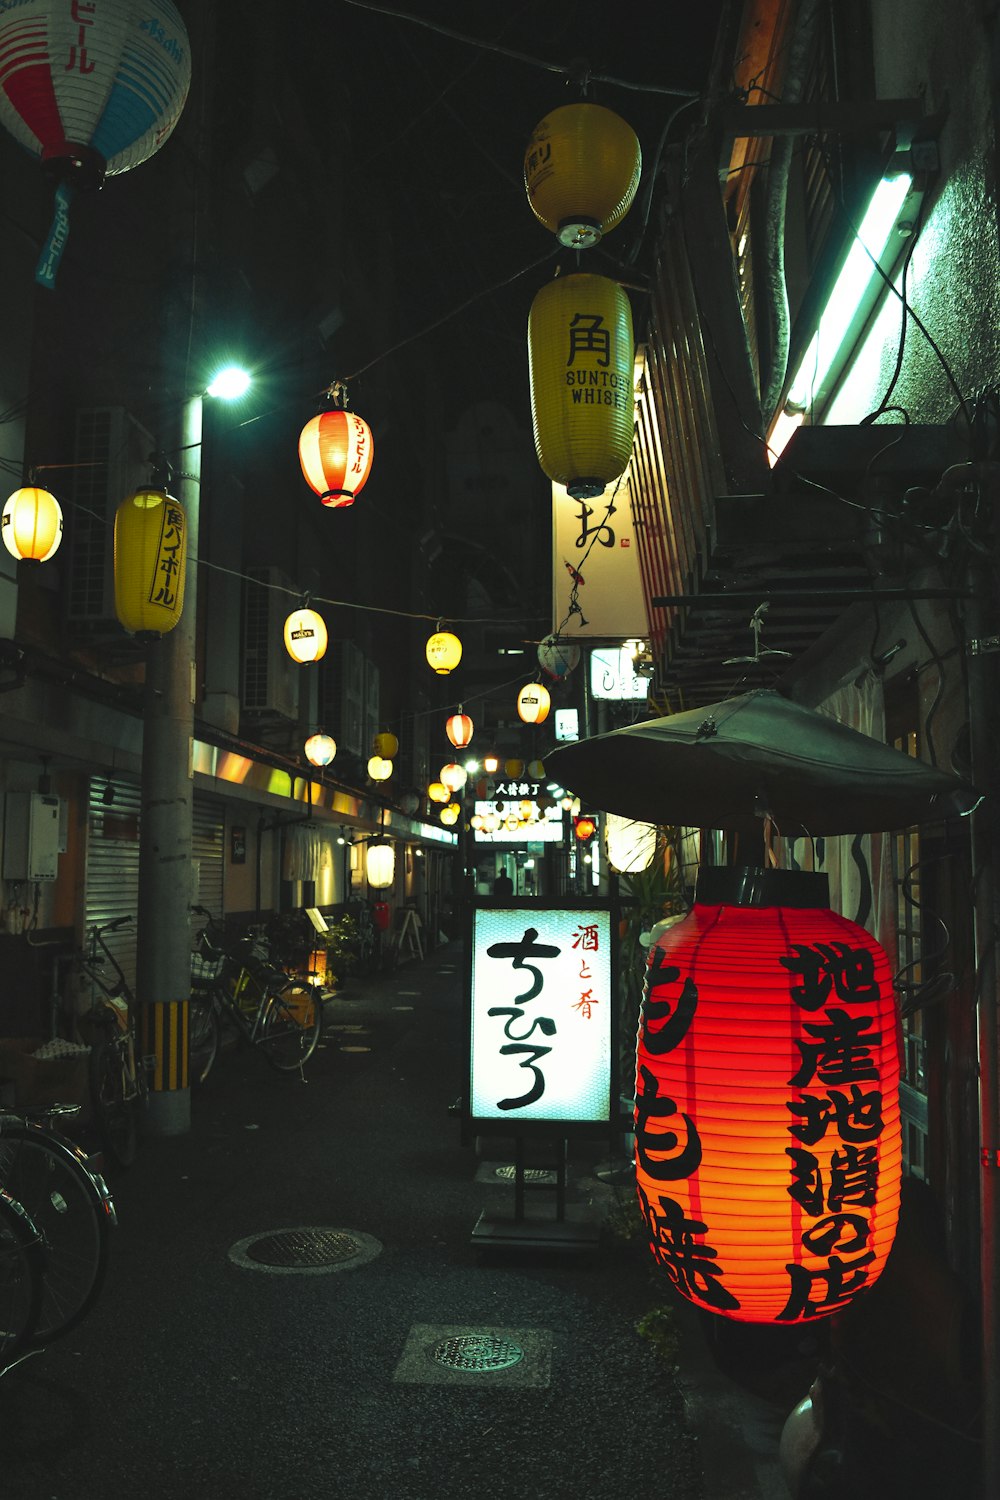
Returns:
<point x="454" y="776"/>
<point x="32" y="524"/>
<point x="379" y="769"/>
<point x="335" y="451"/>
<point x="533" y="703"/>
<point x="438" y="792"/>
<point x="630" y="845"/>
<point x="150" y="552"/>
<point x="459" y="730"/>
<point x="767" y="1124"/>
<point x="320" y="749"/>
<point x="580" y="353"/>
<point x="584" y="827"/>
<point x="581" y="171"/>
<point x="491" y="763"/>
<point x="444" y="652"/>
<point x="305" y="635"/>
<point x="558" y="657"/>
<point x="380" y="864"/>
<point x="386" y="745"/>
<point x="514" y="768"/>
<point x="450" y="814"/>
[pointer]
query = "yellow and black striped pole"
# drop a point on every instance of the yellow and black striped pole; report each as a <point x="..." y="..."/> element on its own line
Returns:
<point x="163" y="1037"/>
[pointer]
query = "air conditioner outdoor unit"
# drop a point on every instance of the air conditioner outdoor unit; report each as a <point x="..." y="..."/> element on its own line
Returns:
<point x="112" y="454"/>
<point x="269" y="686"/>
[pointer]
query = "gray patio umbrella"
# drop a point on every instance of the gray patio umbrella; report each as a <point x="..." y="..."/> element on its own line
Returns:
<point x="726" y="765"/>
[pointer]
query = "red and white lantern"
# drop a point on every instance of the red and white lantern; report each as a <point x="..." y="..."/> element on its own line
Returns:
<point x="335" y="451"/>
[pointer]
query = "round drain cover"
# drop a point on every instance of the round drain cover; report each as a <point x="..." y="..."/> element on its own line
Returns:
<point x="477" y="1351"/>
<point x="303" y="1247"/>
<point x="530" y="1174"/>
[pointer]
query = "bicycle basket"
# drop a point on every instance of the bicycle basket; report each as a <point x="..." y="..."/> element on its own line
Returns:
<point x="206" y="962"/>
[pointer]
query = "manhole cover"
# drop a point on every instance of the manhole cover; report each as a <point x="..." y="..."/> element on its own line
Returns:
<point x="303" y="1247"/>
<point x="305" y="1251"/>
<point x="530" y="1174"/>
<point x="474" y="1351"/>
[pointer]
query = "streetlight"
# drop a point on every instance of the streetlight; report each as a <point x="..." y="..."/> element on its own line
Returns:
<point x="163" y="955"/>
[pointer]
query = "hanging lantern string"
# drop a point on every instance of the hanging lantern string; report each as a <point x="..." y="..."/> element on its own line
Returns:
<point x="571" y="71"/>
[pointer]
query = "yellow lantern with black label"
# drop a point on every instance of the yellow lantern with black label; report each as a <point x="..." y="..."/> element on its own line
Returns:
<point x="581" y="172"/>
<point x="150" y="555"/>
<point x="580" y="356"/>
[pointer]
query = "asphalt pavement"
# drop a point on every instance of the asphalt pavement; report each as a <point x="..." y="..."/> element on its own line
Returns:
<point x="394" y="1356"/>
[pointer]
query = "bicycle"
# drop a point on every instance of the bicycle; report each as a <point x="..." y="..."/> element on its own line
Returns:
<point x="119" y="1077"/>
<point x="269" y="1009"/>
<point x="56" y="1217"/>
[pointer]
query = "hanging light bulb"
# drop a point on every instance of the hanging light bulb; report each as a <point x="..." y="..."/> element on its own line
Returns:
<point x="459" y="729"/>
<point x="320" y="749"/>
<point x="444" y="652"/>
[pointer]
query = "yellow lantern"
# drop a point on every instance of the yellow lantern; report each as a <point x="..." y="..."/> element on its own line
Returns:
<point x="454" y="776"/>
<point x="320" y="749"/>
<point x="380" y="864"/>
<point x="581" y="172"/>
<point x="444" y="652"/>
<point x="536" y="770"/>
<point x="450" y="814"/>
<point x="514" y="769"/>
<point x="491" y="762"/>
<point x="150" y="551"/>
<point x="580" y="352"/>
<point x="305" y="635"/>
<point x="379" y="769"/>
<point x="32" y="524"/>
<point x="533" y="703"/>
<point x="438" y="792"/>
<point x="386" y="745"/>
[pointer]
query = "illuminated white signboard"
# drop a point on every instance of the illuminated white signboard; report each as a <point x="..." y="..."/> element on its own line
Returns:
<point x="567" y="723"/>
<point x="541" y="1001"/>
<point x="613" y="674"/>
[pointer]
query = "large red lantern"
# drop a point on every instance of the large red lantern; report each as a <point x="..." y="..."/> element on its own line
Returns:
<point x="768" y="1143"/>
<point x="335" y="451"/>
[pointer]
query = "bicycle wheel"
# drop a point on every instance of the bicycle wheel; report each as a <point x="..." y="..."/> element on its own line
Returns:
<point x="21" y="1275"/>
<point x="72" y="1211"/>
<point x="116" y="1113"/>
<point x="291" y="1027"/>
<point x="203" y="1038"/>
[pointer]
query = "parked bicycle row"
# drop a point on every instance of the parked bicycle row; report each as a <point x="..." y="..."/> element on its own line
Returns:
<point x="56" y="1216"/>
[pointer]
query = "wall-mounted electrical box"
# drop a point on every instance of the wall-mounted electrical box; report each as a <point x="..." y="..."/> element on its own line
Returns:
<point x="31" y="836"/>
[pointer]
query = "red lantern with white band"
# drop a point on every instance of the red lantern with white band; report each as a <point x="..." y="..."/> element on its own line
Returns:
<point x="335" y="451"/>
<point x="768" y="1142"/>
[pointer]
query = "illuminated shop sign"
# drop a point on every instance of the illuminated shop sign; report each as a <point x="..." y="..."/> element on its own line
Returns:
<point x="541" y="1016"/>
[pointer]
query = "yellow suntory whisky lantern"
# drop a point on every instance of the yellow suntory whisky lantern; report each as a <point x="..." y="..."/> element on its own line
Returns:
<point x="580" y="370"/>
<point x="32" y="524"/>
<point x="150" y="553"/>
<point x="581" y="172"/>
<point x="305" y="635"/>
<point x="386" y="745"/>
